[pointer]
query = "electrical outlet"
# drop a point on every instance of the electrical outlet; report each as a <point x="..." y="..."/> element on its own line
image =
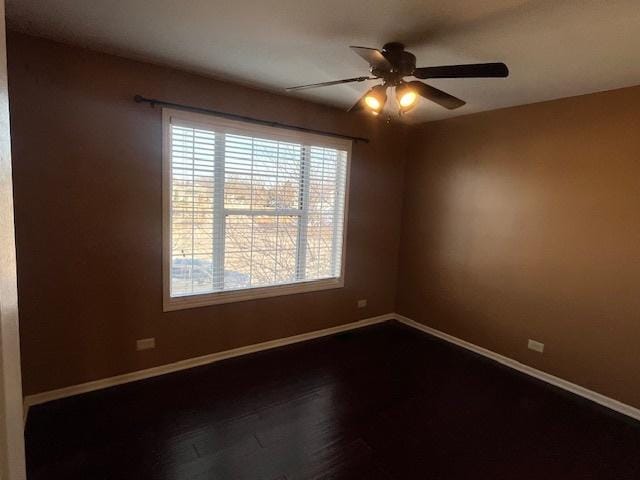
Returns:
<point x="536" y="346"/>
<point x="145" y="344"/>
<point x="362" y="303"/>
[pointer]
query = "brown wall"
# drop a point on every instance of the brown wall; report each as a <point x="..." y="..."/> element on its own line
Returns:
<point x="525" y="223"/>
<point x="519" y="223"/>
<point x="87" y="170"/>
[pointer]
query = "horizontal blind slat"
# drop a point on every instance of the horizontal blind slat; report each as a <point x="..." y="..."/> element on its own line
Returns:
<point x="262" y="181"/>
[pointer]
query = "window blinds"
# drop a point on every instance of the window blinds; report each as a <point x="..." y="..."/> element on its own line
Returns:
<point x="253" y="207"/>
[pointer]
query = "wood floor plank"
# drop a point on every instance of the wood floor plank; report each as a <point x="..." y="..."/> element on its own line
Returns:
<point x="382" y="403"/>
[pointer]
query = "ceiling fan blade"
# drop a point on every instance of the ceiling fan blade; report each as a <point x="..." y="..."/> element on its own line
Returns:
<point x="374" y="57"/>
<point x="437" y="96"/>
<point x="473" y="70"/>
<point x="326" y="84"/>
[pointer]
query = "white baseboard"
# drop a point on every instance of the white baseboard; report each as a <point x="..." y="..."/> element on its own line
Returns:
<point x="38" y="398"/>
<point x="603" y="400"/>
<point x="596" y="397"/>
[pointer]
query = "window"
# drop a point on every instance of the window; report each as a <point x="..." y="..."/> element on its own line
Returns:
<point x="250" y="211"/>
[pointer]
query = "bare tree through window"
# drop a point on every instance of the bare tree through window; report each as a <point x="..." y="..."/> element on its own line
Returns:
<point x="252" y="212"/>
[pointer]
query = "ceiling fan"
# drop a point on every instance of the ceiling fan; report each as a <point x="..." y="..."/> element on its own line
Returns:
<point x="393" y="63"/>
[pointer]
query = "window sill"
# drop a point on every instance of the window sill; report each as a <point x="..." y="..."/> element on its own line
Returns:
<point x="206" y="299"/>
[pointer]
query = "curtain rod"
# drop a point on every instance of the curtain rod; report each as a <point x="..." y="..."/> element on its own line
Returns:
<point x="232" y="116"/>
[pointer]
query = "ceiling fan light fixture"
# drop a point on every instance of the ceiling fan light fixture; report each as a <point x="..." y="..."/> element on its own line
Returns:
<point x="376" y="98"/>
<point x="372" y="102"/>
<point x="406" y="96"/>
<point x="408" y="99"/>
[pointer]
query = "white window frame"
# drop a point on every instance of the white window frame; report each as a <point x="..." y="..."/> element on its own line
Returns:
<point x="244" y="128"/>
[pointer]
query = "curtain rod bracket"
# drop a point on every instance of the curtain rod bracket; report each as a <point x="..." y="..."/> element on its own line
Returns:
<point x="232" y="116"/>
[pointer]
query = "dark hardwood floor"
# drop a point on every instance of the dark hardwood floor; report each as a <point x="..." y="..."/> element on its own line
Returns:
<point x="385" y="402"/>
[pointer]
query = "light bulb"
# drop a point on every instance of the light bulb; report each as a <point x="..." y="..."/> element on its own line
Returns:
<point x="372" y="102"/>
<point x="408" y="99"/>
<point x="406" y="96"/>
<point x="376" y="98"/>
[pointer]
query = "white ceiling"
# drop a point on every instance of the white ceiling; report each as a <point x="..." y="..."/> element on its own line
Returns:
<point x="554" y="48"/>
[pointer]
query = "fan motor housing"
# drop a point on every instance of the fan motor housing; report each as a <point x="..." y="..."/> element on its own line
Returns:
<point x="403" y="62"/>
